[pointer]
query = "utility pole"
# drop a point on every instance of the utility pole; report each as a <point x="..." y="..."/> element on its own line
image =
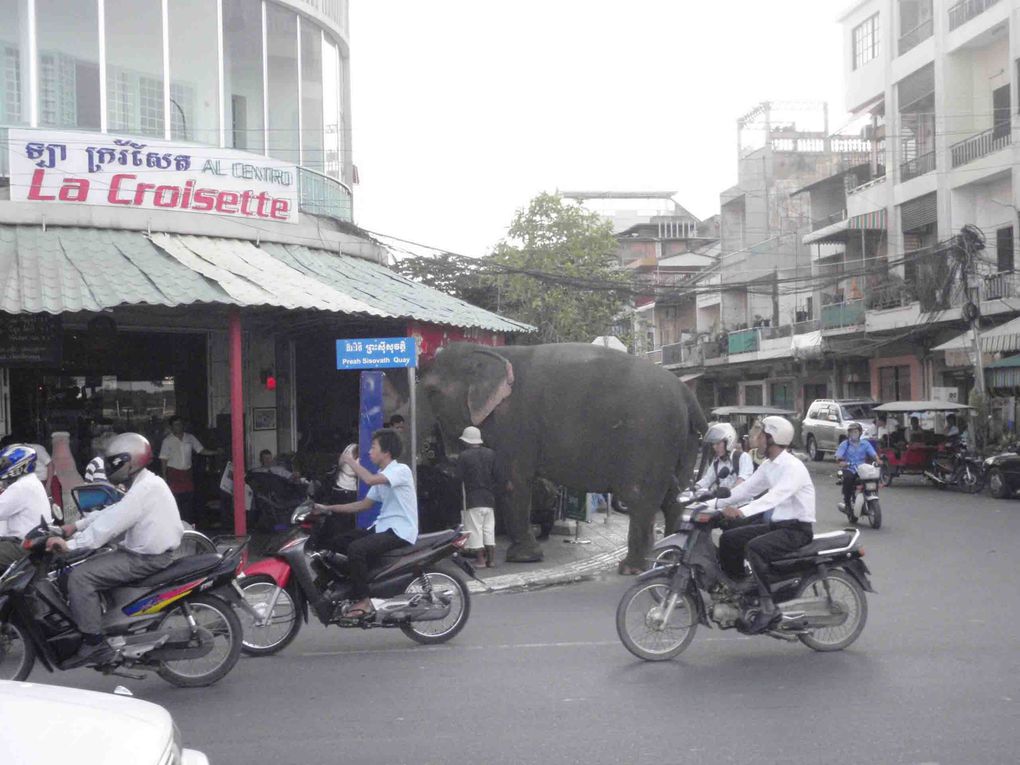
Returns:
<point x="973" y="241"/>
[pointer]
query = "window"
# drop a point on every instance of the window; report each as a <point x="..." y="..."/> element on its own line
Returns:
<point x="781" y="395"/>
<point x="332" y="107"/>
<point x="194" y="80"/>
<point x="753" y="395"/>
<point x="1000" y="112"/>
<point x="1004" y="249"/>
<point x="242" y="71"/>
<point x="312" y="146"/>
<point x="68" y="43"/>
<point x="13" y="64"/>
<point x="894" y="383"/>
<point x="865" y="41"/>
<point x="282" y="53"/>
<point x="134" y="66"/>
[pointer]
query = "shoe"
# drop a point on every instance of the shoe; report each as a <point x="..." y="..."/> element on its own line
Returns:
<point x="90" y="654"/>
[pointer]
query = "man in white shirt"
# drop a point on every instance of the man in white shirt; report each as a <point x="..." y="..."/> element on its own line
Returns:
<point x="147" y="516"/>
<point x="175" y="453"/>
<point x="790" y="495"/>
<point x="23" y="501"/>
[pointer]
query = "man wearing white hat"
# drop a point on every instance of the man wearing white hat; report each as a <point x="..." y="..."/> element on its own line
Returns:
<point x="480" y="475"/>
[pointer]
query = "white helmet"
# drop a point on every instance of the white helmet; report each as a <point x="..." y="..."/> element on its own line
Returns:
<point x="721" y="431"/>
<point x="779" y="428"/>
<point x="854" y="426"/>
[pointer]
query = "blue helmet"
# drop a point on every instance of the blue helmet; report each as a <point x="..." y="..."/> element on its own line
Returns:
<point x="15" y="461"/>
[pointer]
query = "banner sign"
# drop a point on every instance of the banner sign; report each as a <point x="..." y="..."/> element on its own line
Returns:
<point x="142" y="173"/>
<point x="376" y="353"/>
<point x="31" y="339"/>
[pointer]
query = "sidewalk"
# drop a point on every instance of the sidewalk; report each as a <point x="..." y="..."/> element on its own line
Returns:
<point x="564" y="562"/>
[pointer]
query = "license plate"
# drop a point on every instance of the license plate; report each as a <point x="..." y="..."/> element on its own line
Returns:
<point x="871" y="486"/>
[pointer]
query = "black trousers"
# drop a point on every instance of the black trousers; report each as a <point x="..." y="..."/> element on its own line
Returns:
<point x="849" y="485"/>
<point x="332" y="530"/>
<point x="761" y="543"/>
<point x="363" y="548"/>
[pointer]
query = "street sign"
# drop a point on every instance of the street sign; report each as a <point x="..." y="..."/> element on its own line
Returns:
<point x="376" y="353"/>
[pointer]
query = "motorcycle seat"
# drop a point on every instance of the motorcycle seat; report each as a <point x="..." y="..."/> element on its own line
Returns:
<point x="830" y="540"/>
<point x="180" y="569"/>
<point x="425" y="541"/>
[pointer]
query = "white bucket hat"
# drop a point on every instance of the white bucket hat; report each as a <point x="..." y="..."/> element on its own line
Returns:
<point x="471" y="435"/>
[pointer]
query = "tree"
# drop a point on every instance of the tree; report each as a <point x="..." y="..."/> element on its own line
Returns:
<point x="560" y="271"/>
<point x="464" y="278"/>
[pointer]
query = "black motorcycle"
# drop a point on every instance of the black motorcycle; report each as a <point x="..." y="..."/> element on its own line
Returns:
<point x="819" y="590"/>
<point x="957" y="467"/>
<point x="410" y="590"/>
<point x="179" y="622"/>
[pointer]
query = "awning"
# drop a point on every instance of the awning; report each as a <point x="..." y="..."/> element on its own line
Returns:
<point x="71" y="269"/>
<point x="834" y="232"/>
<point x="1002" y="339"/>
<point x="872" y="221"/>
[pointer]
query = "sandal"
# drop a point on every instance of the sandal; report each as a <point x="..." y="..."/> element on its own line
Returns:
<point x="359" y="613"/>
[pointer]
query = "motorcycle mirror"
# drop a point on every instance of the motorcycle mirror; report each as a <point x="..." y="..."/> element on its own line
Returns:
<point x="722" y="493"/>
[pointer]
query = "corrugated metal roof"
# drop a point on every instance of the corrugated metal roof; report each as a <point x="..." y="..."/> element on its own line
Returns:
<point x="69" y="269"/>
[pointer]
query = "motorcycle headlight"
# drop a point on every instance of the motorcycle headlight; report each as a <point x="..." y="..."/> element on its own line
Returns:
<point x="989" y="460"/>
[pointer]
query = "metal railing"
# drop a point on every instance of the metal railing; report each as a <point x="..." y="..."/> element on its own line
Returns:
<point x="319" y="194"/>
<point x="998" y="286"/>
<point x="977" y="146"/>
<point x="743" y="341"/>
<point x="879" y="178"/>
<point x="828" y="220"/>
<point x="655" y="356"/>
<point x="912" y="168"/>
<point x="838" y="315"/>
<point x="963" y="12"/>
<point x="916" y="36"/>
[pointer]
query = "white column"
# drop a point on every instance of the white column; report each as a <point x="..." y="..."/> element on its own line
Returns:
<point x="103" y="95"/>
<point x="33" y="68"/>
<point x="222" y="81"/>
<point x="300" y="102"/>
<point x="265" y="83"/>
<point x="166" y="70"/>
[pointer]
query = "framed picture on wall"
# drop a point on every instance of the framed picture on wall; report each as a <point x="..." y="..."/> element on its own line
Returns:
<point x="263" y="418"/>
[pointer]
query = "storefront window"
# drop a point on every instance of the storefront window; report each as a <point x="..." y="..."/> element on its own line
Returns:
<point x="332" y="88"/>
<point x="281" y="45"/>
<point x="242" y="70"/>
<point x="311" y="97"/>
<point x="134" y="67"/>
<point x="13" y="63"/>
<point x="67" y="34"/>
<point x="194" y="71"/>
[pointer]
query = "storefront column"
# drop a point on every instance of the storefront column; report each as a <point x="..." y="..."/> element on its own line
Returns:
<point x="237" y="420"/>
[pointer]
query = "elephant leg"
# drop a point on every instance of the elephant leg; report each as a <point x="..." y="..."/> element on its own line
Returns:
<point x="639" y="538"/>
<point x="524" y="548"/>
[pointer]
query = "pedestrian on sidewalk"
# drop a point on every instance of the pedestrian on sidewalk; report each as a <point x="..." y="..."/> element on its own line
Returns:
<point x="482" y="477"/>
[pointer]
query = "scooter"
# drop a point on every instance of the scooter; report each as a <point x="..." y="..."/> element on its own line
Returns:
<point x="957" y="468"/>
<point x="179" y="622"/>
<point x="410" y="590"/>
<point x="819" y="590"/>
<point x="868" y="479"/>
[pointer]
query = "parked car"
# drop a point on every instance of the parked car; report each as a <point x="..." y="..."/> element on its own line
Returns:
<point x="825" y="424"/>
<point x="44" y="724"/>
<point x="1002" y="473"/>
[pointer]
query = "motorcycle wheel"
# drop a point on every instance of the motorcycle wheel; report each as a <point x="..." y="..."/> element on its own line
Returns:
<point x="874" y="510"/>
<point x="284" y="623"/>
<point x="848" y="593"/>
<point x="886" y="476"/>
<point x="851" y="511"/>
<point x="218" y="618"/>
<point x="17" y="654"/>
<point x="971" y="481"/>
<point x="638" y="621"/>
<point x="445" y="583"/>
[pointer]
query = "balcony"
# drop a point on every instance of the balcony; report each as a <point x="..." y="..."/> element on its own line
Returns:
<point x="828" y="220"/>
<point x="743" y="341"/>
<point x="319" y="194"/>
<point x="916" y="36"/>
<point x="918" y="166"/>
<point x="1000" y="286"/>
<point x="963" y="12"/>
<point x="654" y="356"/>
<point x="687" y="354"/>
<point x="980" y="145"/>
<point x="840" y="315"/>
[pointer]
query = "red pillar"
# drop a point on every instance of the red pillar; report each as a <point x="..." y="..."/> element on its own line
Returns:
<point x="237" y="421"/>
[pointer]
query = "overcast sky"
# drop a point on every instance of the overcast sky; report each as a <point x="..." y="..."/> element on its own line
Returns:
<point x="463" y="110"/>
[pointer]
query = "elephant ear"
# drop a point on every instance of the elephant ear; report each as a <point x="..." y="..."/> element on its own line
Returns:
<point x="492" y="379"/>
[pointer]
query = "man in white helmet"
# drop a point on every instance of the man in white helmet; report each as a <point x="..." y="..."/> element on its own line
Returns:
<point x="790" y="495"/>
<point x="148" y="518"/>
<point x="738" y="466"/>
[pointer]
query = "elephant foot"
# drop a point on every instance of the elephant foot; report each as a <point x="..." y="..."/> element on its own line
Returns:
<point x="625" y="569"/>
<point x="524" y="552"/>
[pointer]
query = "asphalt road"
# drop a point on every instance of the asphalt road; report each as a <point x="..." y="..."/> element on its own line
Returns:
<point x="540" y="677"/>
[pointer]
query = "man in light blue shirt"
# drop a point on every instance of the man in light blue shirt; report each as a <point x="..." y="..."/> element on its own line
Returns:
<point x="396" y="526"/>
<point x="849" y="455"/>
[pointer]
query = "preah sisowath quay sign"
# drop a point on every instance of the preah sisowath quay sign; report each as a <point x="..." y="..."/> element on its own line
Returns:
<point x="61" y="167"/>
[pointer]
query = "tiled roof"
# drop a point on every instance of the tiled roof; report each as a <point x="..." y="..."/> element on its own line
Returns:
<point x="69" y="269"/>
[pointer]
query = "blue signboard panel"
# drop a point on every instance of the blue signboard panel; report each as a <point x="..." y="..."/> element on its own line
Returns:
<point x="376" y="353"/>
<point x="370" y="419"/>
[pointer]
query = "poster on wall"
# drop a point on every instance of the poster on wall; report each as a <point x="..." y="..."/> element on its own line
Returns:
<point x="31" y="340"/>
<point x="72" y="168"/>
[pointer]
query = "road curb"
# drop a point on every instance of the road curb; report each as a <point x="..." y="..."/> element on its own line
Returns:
<point x="565" y="574"/>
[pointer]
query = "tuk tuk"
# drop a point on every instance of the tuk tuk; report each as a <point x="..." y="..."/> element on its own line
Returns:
<point x="911" y="451"/>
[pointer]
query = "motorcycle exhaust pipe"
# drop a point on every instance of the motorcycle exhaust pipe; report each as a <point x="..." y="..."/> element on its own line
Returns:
<point x="933" y="477"/>
<point x="413" y="608"/>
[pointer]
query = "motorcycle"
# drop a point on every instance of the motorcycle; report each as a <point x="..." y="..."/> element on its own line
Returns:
<point x="429" y="603"/>
<point x="868" y="479"/>
<point x="957" y="467"/>
<point x="819" y="589"/>
<point x="179" y="622"/>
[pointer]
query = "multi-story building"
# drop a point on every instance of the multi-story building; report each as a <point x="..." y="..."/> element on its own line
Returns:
<point x="176" y="226"/>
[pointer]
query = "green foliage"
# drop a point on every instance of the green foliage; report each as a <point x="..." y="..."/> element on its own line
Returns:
<point x="464" y="278"/>
<point x="560" y="265"/>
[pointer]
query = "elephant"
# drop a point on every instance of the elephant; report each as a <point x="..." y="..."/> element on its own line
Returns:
<point x="584" y="416"/>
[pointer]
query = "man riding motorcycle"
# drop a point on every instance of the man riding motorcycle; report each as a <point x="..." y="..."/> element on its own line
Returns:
<point x="148" y="518"/>
<point x="722" y="438"/>
<point x="790" y="494"/>
<point x="23" y="501"/>
<point x="849" y="455"/>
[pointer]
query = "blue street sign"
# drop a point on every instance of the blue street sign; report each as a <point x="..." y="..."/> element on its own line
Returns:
<point x="376" y="353"/>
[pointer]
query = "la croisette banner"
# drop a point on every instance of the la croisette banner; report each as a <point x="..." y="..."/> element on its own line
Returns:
<point x="60" y="167"/>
